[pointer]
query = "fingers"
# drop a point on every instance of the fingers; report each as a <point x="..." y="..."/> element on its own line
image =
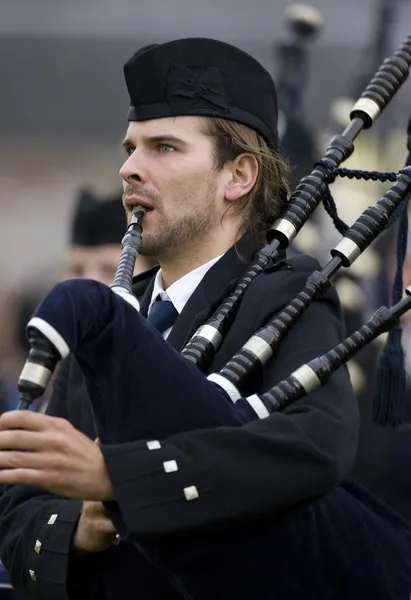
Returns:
<point x="21" y="476"/>
<point x="106" y="526"/>
<point x="94" y="510"/>
<point x="25" y="460"/>
<point x="21" y="440"/>
<point x="25" y="419"/>
<point x="96" y="514"/>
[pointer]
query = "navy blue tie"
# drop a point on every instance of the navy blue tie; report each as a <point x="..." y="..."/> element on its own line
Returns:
<point x="162" y="314"/>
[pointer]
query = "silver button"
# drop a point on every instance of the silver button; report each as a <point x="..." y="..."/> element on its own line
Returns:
<point x="52" y="520"/>
<point x="191" y="493"/>
<point x="153" y="445"/>
<point x="37" y="547"/>
<point x="32" y="575"/>
<point x="170" y="466"/>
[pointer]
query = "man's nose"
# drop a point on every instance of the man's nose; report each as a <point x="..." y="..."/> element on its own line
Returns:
<point x="133" y="169"/>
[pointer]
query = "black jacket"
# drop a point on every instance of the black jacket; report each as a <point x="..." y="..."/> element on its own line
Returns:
<point x="286" y="459"/>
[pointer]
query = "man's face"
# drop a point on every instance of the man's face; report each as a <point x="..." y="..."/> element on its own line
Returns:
<point x="170" y="168"/>
<point x="99" y="263"/>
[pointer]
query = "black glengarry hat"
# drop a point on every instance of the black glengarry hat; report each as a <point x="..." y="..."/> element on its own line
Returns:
<point x="202" y="77"/>
<point x="96" y="222"/>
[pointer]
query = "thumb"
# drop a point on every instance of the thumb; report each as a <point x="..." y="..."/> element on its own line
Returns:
<point x="97" y="441"/>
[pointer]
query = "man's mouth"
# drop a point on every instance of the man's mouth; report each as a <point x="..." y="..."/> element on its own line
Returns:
<point x="131" y="205"/>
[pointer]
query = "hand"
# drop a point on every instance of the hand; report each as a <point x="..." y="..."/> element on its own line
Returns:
<point x="36" y="449"/>
<point x="95" y="532"/>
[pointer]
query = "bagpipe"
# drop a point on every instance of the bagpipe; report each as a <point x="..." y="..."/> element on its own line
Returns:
<point x="344" y="545"/>
<point x="297" y="137"/>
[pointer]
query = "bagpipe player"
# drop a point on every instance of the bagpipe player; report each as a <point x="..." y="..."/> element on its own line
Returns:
<point x="240" y="500"/>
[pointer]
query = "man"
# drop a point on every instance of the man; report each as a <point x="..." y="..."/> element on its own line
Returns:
<point x="97" y="228"/>
<point x="201" y="156"/>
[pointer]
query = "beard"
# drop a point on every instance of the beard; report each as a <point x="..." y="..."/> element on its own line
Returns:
<point x="175" y="233"/>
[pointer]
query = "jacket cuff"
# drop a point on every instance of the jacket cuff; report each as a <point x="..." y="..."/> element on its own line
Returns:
<point x="158" y="490"/>
<point x="47" y="561"/>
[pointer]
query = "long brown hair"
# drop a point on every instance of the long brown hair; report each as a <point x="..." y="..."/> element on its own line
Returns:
<point x="266" y="200"/>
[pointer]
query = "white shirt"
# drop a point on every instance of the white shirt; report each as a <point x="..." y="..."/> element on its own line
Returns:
<point x="180" y="291"/>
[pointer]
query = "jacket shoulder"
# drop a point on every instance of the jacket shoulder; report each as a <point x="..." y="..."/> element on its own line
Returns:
<point x="279" y="284"/>
<point x="287" y="272"/>
<point x="302" y="263"/>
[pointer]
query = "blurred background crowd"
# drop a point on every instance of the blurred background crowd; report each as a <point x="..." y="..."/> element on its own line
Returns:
<point x="62" y="118"/>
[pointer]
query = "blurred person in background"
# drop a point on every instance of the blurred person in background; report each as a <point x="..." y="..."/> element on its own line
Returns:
<point x="94" y="247"/>
<point x="97" y="228"/>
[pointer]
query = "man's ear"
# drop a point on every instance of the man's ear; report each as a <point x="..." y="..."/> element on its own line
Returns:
<point x="243" y="175"/>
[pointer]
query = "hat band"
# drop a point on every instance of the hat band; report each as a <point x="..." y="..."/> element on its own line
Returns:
<point x="160" y="110"/>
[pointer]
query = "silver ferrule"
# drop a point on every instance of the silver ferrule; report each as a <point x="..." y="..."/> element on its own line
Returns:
<point x="259" y="348"/>
<point x="211" y="334"/>
<point x="348" y="249"/>
<point x="307" y="378"/>
<point x="368" y="107"/>
<point x="51" y="334"/>
<point x="127" y="296"/>
<point x="258" y="406"/>
<point x="36" y="374"/>
<point x="285" y="227"/>
<point x="229" y="388"/>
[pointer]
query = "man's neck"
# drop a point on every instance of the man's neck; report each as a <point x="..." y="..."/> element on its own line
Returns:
<point x="175" y="267"/>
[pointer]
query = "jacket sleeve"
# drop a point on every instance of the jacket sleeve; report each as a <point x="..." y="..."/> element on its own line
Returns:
<point x="36" y="530"/>
<point x="231" y="473"/>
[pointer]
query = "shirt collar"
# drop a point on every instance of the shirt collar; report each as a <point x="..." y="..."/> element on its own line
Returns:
<point x="180" y="291"/>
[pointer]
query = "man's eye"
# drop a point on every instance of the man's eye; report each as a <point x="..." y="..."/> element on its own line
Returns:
<point x="129" y="150"/>
<point x="163" y="148"/>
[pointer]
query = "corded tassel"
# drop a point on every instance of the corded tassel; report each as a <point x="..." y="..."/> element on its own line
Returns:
<point x="389" y="403"/>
